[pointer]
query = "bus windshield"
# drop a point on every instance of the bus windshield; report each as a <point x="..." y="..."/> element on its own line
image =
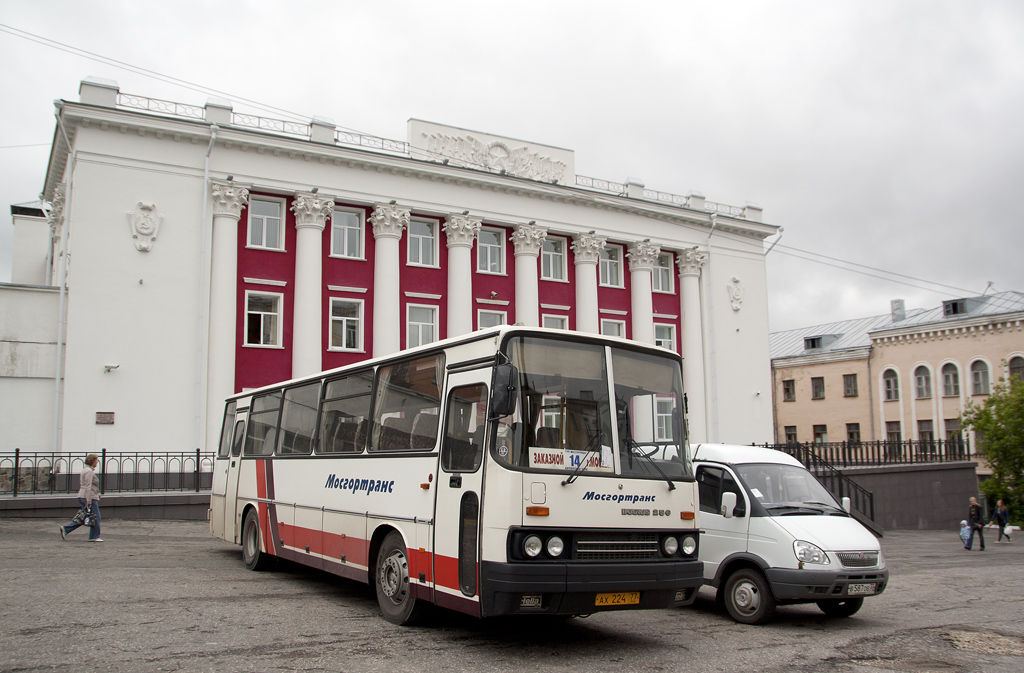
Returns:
<point x="596" y="410"/>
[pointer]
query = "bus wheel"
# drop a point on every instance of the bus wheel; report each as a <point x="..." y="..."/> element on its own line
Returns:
<point x="841" y="608"/>
<point x="392" y="579"/>
<point x="748" y="598"/>
<point x="253" y="558"/>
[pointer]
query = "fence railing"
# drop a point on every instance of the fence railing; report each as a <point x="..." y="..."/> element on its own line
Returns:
<point x="838" y="484"/>
<point x="867" y="454"/>
<point x="38" y="473"/>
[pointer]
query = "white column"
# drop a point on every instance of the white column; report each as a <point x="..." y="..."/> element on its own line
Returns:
<point x="643" y="255"/>
<point x="528" y="239"/>
<point x="388" y="222"/>
<point x="690" y="263"/>
<point x="586" y="254"/>
<point x="311" y="214"/>
<point x="460" y="232"/>
<point x="228" y="200"/>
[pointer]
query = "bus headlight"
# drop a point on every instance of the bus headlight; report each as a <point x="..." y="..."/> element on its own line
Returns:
<point x="809" y="553"/>
<point x="532" y="546"/>
<point x="555" y="546"/>
<point x="670" y="545"/>
<point x="689" y="545"/>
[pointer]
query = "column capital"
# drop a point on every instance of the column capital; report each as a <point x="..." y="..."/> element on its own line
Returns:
<point x="389" y="220"/>
<point x="587" y="248"/>
<point x="54" y="217"/>
<point x="643" y="255"/>
<point x="690" y="262"/>
<point x="228" y="198"/>
<point x="460" y="230"/>
<point x="528" y="239"/>
<point x="311" y="210"/>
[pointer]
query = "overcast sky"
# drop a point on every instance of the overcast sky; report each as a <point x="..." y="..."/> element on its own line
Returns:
<point x="886" y="134"/>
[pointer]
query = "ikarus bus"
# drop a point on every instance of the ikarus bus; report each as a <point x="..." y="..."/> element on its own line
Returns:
<point x="510" y="471"/>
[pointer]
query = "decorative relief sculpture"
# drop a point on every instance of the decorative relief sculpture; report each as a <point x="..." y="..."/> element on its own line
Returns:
<point x="144" y="221"/>
<point x="690" y="262"/>
<point x="643" y="255"/>
<point x="587" y="248"/>
<point x="461" y="229"/>
<point x="311" y="210"/>
<point x="528" y="239"/>
<point x="735" y="293"/>
<point x="389" y="220"/>
<point x="228" y="199"/>
<point x="56" y="214"/>
<point x="496" y="156"/>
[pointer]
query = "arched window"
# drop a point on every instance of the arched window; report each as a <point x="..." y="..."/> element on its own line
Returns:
<point x="892" y="385"/>
<point x="979" y="375"/>
<point x="1017" y="368"/>
<point x="923" y="382"/>
<point x="950" y="380"/>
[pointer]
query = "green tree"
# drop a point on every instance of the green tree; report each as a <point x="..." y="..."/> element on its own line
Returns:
<point x="999" y="424"/>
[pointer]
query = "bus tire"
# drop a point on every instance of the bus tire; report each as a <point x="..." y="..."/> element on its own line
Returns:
<point x="253" y="558"/>
<point x="844" y="607"/>
<point x="748" y="599"/>
<point x="394" y="594"/>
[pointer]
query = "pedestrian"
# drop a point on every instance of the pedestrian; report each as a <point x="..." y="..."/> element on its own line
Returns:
<point x="965" y="532"/>
<point x="977" y="523"/>
<point x="88" y="497"/>
<point x="1001" y="518"/>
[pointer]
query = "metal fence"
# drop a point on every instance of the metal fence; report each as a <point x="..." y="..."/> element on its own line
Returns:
<point x="861" y="499"/>
<point x="49" y="473"/>
<point x="867" y="454"/>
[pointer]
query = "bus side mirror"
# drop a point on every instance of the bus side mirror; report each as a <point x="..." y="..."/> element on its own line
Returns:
<point x="728" y="504"/>
<point x="846" y="503"/>
<point x="503" y="396"/>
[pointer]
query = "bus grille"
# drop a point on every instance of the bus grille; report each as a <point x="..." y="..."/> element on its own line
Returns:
<point x="616" y="546"/>
<point x="858" y="559"/>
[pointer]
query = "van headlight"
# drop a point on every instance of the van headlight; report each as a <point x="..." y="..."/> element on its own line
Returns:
<point x="809" y="553"/>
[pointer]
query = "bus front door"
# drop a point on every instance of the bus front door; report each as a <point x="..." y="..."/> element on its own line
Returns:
<point x="458" y="500"/>
<point x="231" y="526"/>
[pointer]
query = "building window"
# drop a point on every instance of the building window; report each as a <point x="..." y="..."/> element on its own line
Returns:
<point x="266" y="228"/>
<point x="818" y="388"/>
<point x="849" y="385"/>
<point x="979" y="377"/>
<point x="610" y="272"/>
<point x="820" y="434"/>
<point x="490" y="251"/>
<point x="954" y="307"/>
<point x="263" y="319"/>
<point x="346" y="325"/>
<point x="552" y="259"/>
<point x="925" y="431"/>
<point x="485" y="319"/>
<point x="1017" y="368"/>
<point x="661" y="279"/>
<point x="555" y="321"/>
<point x="615" y="328"/>
<point x="665" y="336"/>
<point x="923" y="383"/>
<point x="422" y="243"/>
<point x="789" y="390"/>
<point x="810" y="343"/>
<point x="347" y="233"/>
<point x="853" y="432"/>
<point x="421" y="324"/>
<point x="791" y="434"/>
<point x="663" y="419"/>
<point x="950" y="380"/>
<point x="953" y="430"/>
<point x="892" y="431"/>
<point x="892" y="385"/>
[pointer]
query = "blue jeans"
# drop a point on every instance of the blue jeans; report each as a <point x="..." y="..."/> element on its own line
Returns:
<point x="94" y="532"/>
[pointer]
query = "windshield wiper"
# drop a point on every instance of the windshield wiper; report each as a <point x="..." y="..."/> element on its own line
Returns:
<point x="631" y="444"/>
<point x="803" y="507"/>
<point x="825" y="504"/>
<point x="583" y="461"/>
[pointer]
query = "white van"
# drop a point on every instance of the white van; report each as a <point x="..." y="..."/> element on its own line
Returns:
<point x="772" y="534"/>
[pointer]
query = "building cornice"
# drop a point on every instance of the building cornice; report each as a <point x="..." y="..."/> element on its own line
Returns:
<point x="822" y="358"/>
<point x="950" y="329"/>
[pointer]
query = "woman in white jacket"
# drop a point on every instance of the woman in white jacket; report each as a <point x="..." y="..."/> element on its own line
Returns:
<point x="88" y="496"/>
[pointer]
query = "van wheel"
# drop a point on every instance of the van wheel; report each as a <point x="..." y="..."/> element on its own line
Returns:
<point x="394" y="595"/>
<point x="748" y="598"/>
<point x="253" y="558"/>
<point x="841" y="608"/>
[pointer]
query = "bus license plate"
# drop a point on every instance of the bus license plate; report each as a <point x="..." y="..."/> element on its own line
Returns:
<point x="858" y="589"/>
<point x="621" y="598"/>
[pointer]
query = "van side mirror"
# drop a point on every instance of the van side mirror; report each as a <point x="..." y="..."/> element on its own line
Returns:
<point x="728" y="504"/>
<point x="503" y="394"/>
<point x="846" y="503"/>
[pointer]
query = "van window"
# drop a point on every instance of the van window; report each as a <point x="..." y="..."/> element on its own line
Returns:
<point x="712" y="482"/>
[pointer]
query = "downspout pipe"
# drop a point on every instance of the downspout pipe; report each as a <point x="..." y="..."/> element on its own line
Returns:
<point x="62" y="274"/>
<point x="200" y="331"/>
<point x="713" y="359"/>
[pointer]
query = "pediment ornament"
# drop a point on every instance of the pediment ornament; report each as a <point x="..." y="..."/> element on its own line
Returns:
<point x="495" y="156"/>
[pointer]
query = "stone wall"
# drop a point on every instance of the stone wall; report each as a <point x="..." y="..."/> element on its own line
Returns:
<point x="927" y="496"/>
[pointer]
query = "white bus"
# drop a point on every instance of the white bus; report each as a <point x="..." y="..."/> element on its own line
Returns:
<point x="510" y="471"/>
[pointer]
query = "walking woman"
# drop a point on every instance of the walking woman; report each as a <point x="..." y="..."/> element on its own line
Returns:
<point x="977" y="524"/>
<point x="88" y="496"/>
<point x="1001" y="518"/>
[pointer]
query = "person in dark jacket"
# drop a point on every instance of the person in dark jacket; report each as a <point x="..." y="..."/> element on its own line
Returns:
<point x="1001" y="518"/>
<point x="977" y="523"/>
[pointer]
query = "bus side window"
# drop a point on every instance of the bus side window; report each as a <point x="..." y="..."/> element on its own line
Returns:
<point x="263" y="419"/>
<point x="466" y="414"/>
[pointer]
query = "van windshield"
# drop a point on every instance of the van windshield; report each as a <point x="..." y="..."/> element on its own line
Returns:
<point x="786" y="489"/>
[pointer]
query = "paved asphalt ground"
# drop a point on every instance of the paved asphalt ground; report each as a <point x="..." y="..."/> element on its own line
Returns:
<point x="165" y="596"/>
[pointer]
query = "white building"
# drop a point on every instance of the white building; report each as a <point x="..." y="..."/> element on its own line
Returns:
<point x="194" y="251"/>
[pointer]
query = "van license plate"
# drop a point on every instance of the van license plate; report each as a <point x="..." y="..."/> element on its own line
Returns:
<point x="859" y="589"/>
<point x="621" y="598"/>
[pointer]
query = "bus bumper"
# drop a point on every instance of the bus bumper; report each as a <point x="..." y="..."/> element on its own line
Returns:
<point x="573" y="588"/>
